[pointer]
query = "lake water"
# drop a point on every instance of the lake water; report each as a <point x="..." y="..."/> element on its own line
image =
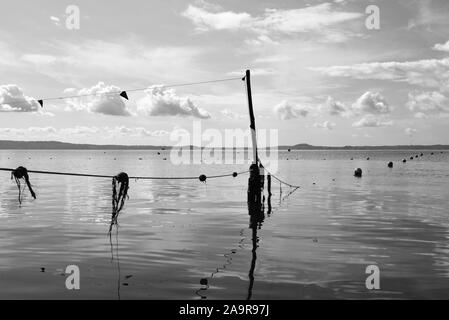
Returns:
<point x="175" y="236"/>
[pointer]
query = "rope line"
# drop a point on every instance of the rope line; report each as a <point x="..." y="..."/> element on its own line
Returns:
<point x="131" y="177"/>
<point x="278" y="179"/>
<point x="23" y="102"/>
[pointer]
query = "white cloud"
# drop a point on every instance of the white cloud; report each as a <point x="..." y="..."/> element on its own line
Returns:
<point x="430" y="14"/>
<point x="442" y="47"/>
<point x="431" y="72"/>
<point x="420" y="115"/>
<point x="410" y="131"/>
<point x="333" y="107"/>
<point x="428" y="103"/>
<point x="55" y="20"/>
<point x="254" y="72"/>
<point x="124" y="58"/>
<point x="47" y="130"/>
<point x="161" y="101"/>
<point x="233" y="115"/>
<point x="51" y="132"/>
<point x="225" y="20"/>
<point x="12" y="99"/>
<point x="371" y="103"/>
<point x="137" y="131"/>
<point x="325" y="125"/>
<point x="273" y="58"/>
<point x="287" y="111"/>
<point x="317" y="18"/>
<point x="372" y="122"/>
<point x="101" y="98"/>
<point x="79" y="130"/>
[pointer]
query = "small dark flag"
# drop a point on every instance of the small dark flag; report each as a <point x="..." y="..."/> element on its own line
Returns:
<point x="123" y="94"/>
<point x="41" y="102"/>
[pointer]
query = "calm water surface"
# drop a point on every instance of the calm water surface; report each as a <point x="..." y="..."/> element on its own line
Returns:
<point x="175" y="235"/>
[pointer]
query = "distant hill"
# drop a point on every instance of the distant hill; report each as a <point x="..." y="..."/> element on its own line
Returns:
<point x="57" y="145"/>
<point x="305" y="146"/>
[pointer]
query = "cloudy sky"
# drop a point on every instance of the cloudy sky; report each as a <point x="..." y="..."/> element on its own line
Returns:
<point x="320" y="75"/>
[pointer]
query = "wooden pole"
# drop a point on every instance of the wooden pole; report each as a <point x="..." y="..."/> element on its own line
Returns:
<point x="251" y="115"/>
<point x="254" y="183"/>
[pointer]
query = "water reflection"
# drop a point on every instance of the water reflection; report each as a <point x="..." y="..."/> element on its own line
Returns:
<point x="257" y="216"/>
<point x="204" y="282"/>
<point x="117" y="256"/>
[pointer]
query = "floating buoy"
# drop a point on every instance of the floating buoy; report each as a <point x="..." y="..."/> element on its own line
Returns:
<point x="422" y="154"/>
<point x="352" y="159"/>
<point x="431" y="154"/>
<point x="416" y="156"/>
<point x="289" y="149"/>
<point x="390" y="164"/>
<point x="234" y="174"/>
<point x="367" y="158"/>
<point x="411" y="158"/>
<point x="158" y="152"/>
<point x="202" y="178"/>
<point x="358" y="173"/>
<point x="404" y="160"/>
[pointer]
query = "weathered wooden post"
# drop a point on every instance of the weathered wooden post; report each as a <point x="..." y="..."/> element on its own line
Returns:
<point x="254" y="181"/>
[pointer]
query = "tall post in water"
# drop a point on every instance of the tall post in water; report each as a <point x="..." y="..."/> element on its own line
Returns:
<point x="252" y="125"/>
<point x="254" y="183"/>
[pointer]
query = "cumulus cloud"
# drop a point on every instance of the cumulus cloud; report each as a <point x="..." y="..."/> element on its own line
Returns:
<point x="325" y="125"/>
<point x="317" y="18"/>
<point x="100" y="98"/>
<point x="371" y="103"/>
<point x="442" y="47"/>
<point x="428" y="103"/>
<point x="333" y="107"/>
<point x="372" y="122"/>
<point x="429" y="73"/>
<point x="161" y="101"/>
<point x="287" y="111"/>
<point x="12" y="99"/>
<point x="225" y="20"/>
<point x="410" y="131"/>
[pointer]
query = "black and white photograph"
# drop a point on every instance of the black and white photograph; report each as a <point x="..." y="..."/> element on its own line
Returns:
<point x="199" y="151"/>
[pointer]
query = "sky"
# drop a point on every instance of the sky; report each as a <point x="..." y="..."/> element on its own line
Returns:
<point x="323" y="72"/>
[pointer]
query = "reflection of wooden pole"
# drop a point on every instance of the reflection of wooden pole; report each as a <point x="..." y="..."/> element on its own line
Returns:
<point x="253" y="263"/>
<point x="255" y="222"/>
<point x="269" y="184"/>
<point x="254" y="194"/>
<point x="269" y="194"/>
